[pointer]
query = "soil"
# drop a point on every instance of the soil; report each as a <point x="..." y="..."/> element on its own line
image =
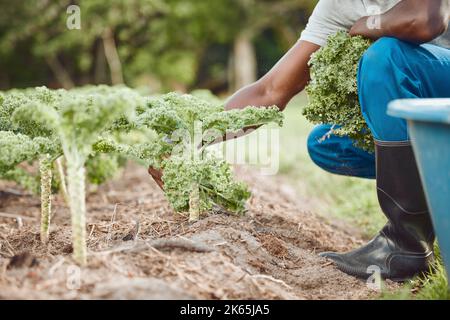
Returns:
<point x="140" y="249"/>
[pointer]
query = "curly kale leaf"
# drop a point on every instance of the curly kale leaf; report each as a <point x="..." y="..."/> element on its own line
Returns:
<point x="78" y="117"/>
<point x="18" y="148"/>
<point x="237" y="119"/>
<point x="15" y="100"/>
<point x="101" y="168"/>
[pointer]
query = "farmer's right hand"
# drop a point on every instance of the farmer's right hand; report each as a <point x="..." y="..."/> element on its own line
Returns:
<point x="157" y="176"/>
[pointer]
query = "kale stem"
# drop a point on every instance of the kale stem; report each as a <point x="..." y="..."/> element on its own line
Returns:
<point x="45" y="168"/>
<point x="194" y="203"/>
<point x="62" y="179"/>
<point x="77" y="188"/>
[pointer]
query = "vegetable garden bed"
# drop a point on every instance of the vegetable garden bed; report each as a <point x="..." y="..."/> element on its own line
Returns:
<point x="68" y="231"/>
<point x="269" y="253"/>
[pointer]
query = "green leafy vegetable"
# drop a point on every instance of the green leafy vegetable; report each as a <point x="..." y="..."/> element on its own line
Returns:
<point x="86" y="133"/>
<point x="211" y="182"/>
<point x="77" y="119"/>
<point x="101" y="168"/>
<point x="194" y="180"/>
<point x="17" y="148"/>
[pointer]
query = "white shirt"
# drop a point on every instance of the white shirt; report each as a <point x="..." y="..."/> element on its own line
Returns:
<point x="330" y="16"/>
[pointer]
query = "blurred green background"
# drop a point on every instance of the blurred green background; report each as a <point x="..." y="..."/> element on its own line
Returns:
<point x="161" y="45"/>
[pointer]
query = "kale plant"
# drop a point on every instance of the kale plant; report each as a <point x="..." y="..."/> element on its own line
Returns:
<point x="76" y="120"/>
<point x="95" y="128"/>
<point x="17" y="148"/>
<point x="194" y="180"/>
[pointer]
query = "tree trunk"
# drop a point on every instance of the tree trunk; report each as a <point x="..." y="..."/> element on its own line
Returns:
<point x="100" y="71"/>
<point x="4" y="81"/>
<point x="60" y="73"/>
<point x="244" y="64"/>
<point x="112" y="57"/>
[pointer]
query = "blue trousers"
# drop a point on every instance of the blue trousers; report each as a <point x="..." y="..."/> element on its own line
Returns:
<point x="390" y="69"/>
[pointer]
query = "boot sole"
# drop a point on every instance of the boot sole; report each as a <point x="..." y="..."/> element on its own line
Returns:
<point x="362" y="274"/>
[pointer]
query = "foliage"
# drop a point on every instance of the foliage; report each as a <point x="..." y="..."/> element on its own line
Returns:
<point x="185" y="125"/>
<point x="158" y="42"/>
<point x="211" y="177"/>
<point x="23" y="178"/>
<point x="17" y="148"/>
<point x="333" y="91"/>
<point x="74" y="119"/>
<point x="96" y="127"/>
<point x="101" y="168"/>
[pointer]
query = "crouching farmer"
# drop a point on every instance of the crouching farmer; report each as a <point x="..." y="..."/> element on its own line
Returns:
<point x="402" y="63"/>
<point x="393" y="69"/>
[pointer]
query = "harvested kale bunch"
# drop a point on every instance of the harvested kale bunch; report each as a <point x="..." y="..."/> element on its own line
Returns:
<point x="333" y="90"/>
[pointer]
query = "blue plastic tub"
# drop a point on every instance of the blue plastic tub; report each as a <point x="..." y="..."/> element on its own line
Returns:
<point x="429" y="129"/>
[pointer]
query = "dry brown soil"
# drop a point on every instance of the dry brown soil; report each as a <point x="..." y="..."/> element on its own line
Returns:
<point x="140" y="249"/>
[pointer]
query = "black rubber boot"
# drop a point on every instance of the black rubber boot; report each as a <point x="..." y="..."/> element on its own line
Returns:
<point x="404" y="247"/>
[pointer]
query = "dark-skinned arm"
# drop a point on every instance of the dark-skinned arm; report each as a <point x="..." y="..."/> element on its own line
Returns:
<point x="286" y="79"/>
<point x="416" y="21"/>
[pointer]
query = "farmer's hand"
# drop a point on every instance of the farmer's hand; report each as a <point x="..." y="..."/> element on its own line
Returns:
<point x="157" y="176"/>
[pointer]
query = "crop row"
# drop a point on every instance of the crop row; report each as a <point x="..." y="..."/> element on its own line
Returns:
<point x="87" y="133"/>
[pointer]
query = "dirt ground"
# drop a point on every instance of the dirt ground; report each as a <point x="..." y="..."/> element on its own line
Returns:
<point x="139" y="249"/>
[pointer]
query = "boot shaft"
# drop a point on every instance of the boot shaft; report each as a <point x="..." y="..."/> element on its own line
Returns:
<point x="402" y="198"/>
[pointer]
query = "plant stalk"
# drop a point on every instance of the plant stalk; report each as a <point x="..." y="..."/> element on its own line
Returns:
<point x="62" y="179"/>
<point x="77" y="188"/>
<point x="194" y="203"/>
<point x="45" y="168"/>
